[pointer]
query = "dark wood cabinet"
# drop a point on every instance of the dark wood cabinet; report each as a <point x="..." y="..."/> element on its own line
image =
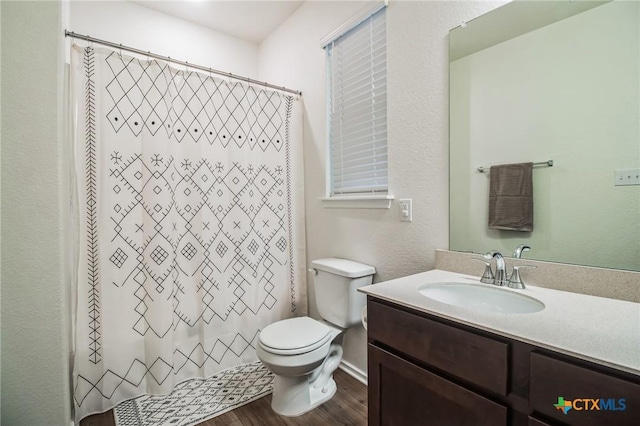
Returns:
<point x="471" y="357"/>
<point x="426" y="370"/>
<point x="596" y="398"/>
<point x="411" y="395"/>
<point x="537" y="422"/>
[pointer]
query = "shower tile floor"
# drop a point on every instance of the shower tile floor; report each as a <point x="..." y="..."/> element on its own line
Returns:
<point x="347" y="407"/>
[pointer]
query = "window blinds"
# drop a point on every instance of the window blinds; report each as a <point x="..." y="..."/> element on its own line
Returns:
<point x="357" y="75"/>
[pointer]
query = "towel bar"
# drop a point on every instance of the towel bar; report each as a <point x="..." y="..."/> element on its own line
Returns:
<point x="548" y="163"/>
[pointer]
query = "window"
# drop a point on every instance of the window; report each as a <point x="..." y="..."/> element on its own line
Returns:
<point x="357" y="109"/>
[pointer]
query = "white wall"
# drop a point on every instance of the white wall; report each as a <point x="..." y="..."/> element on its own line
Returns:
<point x="35" y="373"/>
<point x="146" y="29"/>
<point x="418" y="69"/>
<point x="567" y="92"/>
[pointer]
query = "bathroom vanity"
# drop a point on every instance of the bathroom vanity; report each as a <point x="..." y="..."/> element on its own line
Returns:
<point x="435" y="363"/>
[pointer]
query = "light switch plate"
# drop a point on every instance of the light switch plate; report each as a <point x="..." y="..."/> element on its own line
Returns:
<point x="406" y="210"/>
<point x="624" y="177"/>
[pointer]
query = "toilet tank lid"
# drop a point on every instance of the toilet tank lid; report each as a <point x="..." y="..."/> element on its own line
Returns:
<point x="343" y="267"/>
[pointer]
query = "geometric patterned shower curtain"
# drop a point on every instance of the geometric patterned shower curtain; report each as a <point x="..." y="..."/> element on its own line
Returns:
<point x="191" y="224"/>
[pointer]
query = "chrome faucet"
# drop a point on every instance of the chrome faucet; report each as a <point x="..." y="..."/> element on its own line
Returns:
<point x="517" y="253"/>
<point x="501" y="278"/>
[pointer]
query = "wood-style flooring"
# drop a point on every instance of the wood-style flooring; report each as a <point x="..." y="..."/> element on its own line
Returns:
<point x="347" y="407"/>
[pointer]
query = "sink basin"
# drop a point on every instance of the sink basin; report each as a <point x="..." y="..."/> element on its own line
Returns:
<point x="481" y="297"/>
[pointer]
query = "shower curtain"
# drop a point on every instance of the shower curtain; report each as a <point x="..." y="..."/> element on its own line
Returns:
<point x="191" y="224"/>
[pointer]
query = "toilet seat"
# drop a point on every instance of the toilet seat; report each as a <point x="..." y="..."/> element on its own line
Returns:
<point x="294" y="336"/>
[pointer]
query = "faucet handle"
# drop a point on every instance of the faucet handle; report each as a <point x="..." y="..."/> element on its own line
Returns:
<point x="515" y="281"/>
<point x="487" y="276"/>
<point x="517" y="253"/>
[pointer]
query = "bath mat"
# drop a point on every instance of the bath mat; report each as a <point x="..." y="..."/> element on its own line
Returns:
<point x="196" y="400"/>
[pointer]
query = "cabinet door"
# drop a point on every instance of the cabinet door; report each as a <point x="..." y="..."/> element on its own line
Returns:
<point x="401" y="393"/>
<point x="592" y="398"/>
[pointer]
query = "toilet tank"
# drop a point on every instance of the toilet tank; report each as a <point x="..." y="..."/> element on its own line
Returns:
<point x="336" y="283"/>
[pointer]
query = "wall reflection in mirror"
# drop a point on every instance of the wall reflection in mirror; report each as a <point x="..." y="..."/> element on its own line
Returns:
<point x="553" y="80"/>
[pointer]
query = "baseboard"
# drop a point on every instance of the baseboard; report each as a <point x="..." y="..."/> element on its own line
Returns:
<point x="354" y="372"/>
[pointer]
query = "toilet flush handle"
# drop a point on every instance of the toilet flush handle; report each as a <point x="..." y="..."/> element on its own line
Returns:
<point x="314" y="271"/>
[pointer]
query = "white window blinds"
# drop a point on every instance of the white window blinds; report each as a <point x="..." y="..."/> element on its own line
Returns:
<point x="357" y="77"/>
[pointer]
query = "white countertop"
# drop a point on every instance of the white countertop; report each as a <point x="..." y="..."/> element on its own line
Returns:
<point x="605" y="331"/>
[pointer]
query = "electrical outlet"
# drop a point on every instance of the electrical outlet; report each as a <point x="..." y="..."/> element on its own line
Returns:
<point x="406" y="210"/>
<point x="624" y="177"/>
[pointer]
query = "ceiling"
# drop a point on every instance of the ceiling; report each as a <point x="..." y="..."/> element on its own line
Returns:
<point x="250" y="20"/>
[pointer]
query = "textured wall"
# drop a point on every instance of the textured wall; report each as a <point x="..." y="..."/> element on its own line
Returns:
<point x="35" y="381"/>
<point x="418" y="69"/>
<point x="146" y="29"/>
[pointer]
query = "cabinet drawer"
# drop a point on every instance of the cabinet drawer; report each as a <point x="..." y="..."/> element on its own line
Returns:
<point x="477" y="359"/>
<point x="618" y="400"/>
<point x="401" y="393"/>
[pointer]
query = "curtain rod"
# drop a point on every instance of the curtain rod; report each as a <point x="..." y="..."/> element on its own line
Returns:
<point x="174" y="61"/>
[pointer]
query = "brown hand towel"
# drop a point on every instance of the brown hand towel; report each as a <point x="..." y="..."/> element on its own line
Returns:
<point x="511" y="197"/>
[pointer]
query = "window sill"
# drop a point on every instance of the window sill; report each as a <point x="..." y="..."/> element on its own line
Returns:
<point x="358" y="202"/>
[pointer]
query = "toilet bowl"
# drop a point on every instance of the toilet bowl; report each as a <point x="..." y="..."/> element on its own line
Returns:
<point x="303" y="352"/>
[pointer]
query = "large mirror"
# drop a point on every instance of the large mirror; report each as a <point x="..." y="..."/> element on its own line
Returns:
<point x="534" y="81"/>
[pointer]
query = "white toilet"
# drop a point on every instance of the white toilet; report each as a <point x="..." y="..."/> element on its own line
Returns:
<point x="301" y="352"/>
